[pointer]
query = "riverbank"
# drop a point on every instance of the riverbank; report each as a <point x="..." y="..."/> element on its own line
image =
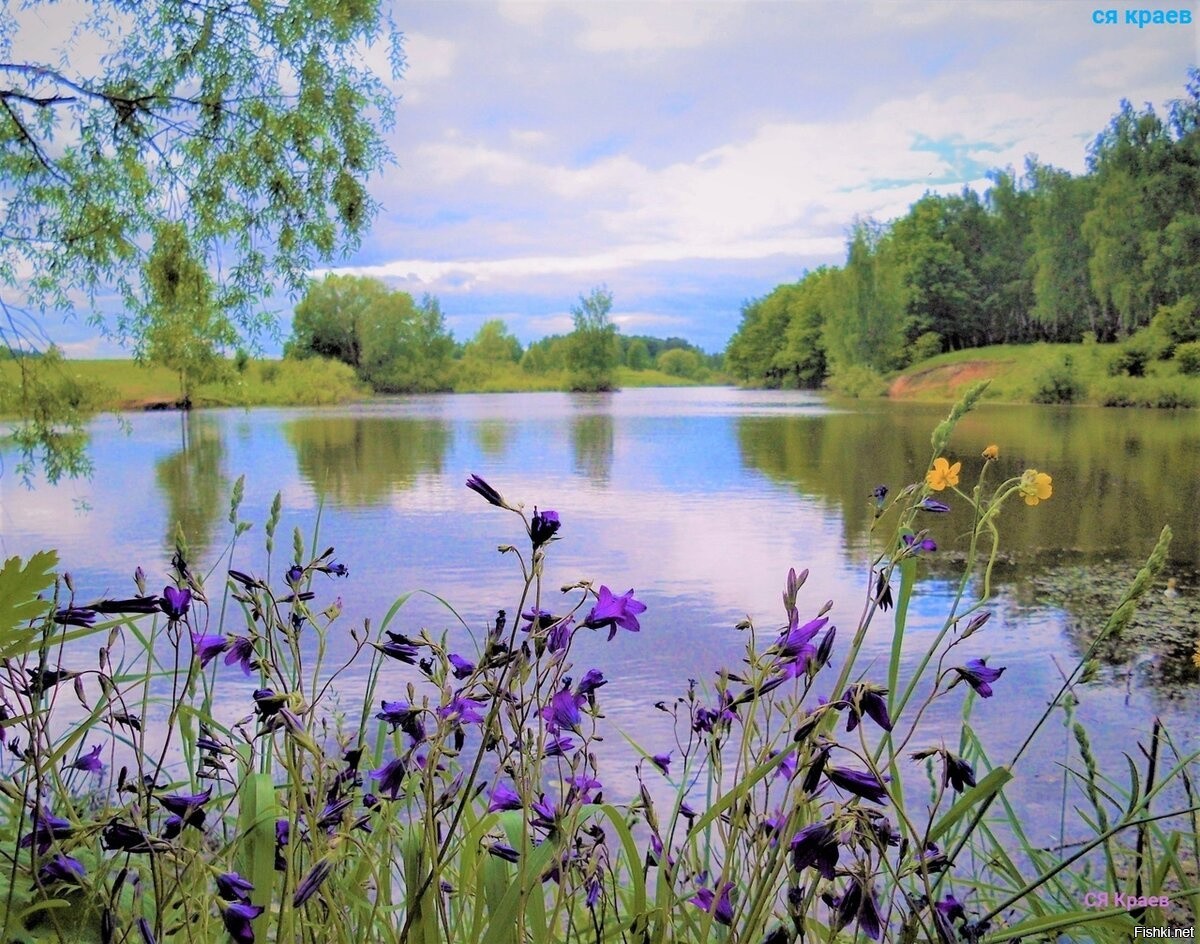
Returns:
<point x="100" y="385"/>
<point x="1044" y="373"/>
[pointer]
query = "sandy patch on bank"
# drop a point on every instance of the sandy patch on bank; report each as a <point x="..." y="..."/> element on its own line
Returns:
<point x="944" y="380"/>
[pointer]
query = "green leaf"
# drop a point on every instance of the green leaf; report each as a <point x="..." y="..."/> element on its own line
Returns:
<point x="19" y="603"/>
<point x="257" y="813"/>
<point x="981" y="792"/>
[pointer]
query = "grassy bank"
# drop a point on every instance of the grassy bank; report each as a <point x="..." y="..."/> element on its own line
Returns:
<point x="94" y="385"/>
<point x="1037" y="373"/>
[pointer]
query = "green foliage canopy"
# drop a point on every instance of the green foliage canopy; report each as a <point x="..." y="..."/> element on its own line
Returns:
<point x="593" y="349"/>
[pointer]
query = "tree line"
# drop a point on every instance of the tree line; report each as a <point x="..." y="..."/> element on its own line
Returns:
<point x="399" y="345"/>
<point x="1039" y="256"/>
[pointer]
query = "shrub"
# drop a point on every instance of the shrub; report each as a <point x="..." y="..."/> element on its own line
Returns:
<point x="928" y="345"/>
<point x="1132" y="355"/>
<point x="858" y="382"/>
<point x="1116" y="391"/>
<point x="269" y="372"/>
<point x="1187" y="358"/>
<point x="1058" y="384"/>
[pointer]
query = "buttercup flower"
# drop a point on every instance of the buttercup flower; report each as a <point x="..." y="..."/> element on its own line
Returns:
<point x="943" y="474"/>
<point x="992" y="452"/>
<point x="1035" y="486"/>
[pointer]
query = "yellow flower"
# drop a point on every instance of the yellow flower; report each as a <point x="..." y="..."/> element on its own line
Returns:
<point x="942" y="474"/>
<point x="1035" y="486"/>
<point x="992" y="452"/>
<point x="1196" y="658"/>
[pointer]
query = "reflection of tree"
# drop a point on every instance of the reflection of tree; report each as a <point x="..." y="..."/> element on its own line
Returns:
<point x="192" y="481"/>
<point x="493" y="436"/>
<point x="592" y="438"/>
<point x="363" y="460"/>
<point x="1114" y="486"/>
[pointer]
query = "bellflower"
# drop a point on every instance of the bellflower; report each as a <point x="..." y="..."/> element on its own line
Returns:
<point x="558" y="746"/>
<point x="461" y="667"/>
<point x="503" y="797"/>
<point x="232" y="887"/>
<point x="267" y="703"/>
<point x="144" y="930"/>
<point x="615" y="611"/>
<point x="312" y="882"/>
<point x="934" y="506"/>
<point x="237" y="917"/>
<point x="719" y="906"/>
<point x="544" y="526"/>
<point x="562" y="712"/>
<point x="957" y="772"/>
<point x="208" y="648"/>
<point x="118" y="836"/>
<point x="867" y="699"/>
<point x="295" y="574"/>
<point x="662" y="762"/>
<point x="61" y="868"/>
<point x="592" y="680"/>
<point x="75" y="616"/>
<point x="135" y="605"/>
<point x="175" y="603"/>
<point x="883" y="592"/>
<point x="925" y="544"/>
<point x="89" y="762"/>
<point x="399" y="647"/>
<point x="187" y="806"/>
<point x="977" y="674"/>
<point x="390" y="777"/>
<point x="858" y="904"/>
<point x="462" y="710"/>
<point x="879" y="493"/>
<point x="489" y="494"/>
<point x="241" y="650"/>
<point x="503" y="850"/>
<point x="396" y="713"/>
<point x="859" y="782"/>
<point x="815" y="846"/>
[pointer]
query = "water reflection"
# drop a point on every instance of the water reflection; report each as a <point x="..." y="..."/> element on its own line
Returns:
<point x="360" y="461"/>
<point x="592" y="436"/>
<point x="494" y="437"/>
<point x="1115" y="484"/>
<point x="193" y="482"/>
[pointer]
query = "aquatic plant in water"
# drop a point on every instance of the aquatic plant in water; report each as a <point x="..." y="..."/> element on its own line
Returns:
<point x="799" y="798"/>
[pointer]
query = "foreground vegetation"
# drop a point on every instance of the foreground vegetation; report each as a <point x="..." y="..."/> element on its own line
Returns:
<point x="200" y="781"/>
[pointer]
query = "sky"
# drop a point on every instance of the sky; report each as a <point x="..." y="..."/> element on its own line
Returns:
<point x="693" y="156"/>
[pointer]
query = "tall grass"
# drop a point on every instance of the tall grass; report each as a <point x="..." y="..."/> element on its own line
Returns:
<point x="469" y="805"/>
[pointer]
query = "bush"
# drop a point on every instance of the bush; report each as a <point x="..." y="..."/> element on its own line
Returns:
<point x="1165" y="393"/>
<point x="928" y="345"/>
<point x="1058" y="384"/>
<point x="858" y="382"/>
<point x="1179" y="323"/>
<point x="1132" y="355"/>
<point x="1187" y="358"/>
<point x="1116" y="391"/>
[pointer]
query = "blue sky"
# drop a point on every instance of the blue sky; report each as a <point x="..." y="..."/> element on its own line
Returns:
<point x="691" y="156"/>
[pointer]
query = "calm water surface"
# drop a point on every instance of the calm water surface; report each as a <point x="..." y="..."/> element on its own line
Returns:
<point x="700" y="499"/>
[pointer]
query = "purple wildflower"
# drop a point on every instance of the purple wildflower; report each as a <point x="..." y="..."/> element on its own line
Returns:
<point x="237" y="917"/>
<point x="462" y="710"/>
<point x="615" y="611"/>
<point x="815" y="846"/>
<point x="232" y="887"/>
<point x="267" y="703"/>
<point x="859" y="782"/>
<point x="957" y="772"/>
<point x="398" y="647"/>
<point x="147" y="934"/>
<point x="662" y="762"/>
<point x="134" y="605"/>
<point x="787" y="766"/>
<point x="89" y="762"/>
<point x="925" y="544"/>
<point x="295" y="574"/>
<point x="868" y="699"/>
<point x="241" y="650"/>
<point x="311" y="882"/>
<point x="75" y="616"/>
<point x="592" y="680"/>
<point x="883" y="592"/>
<point x="175" y="603"/>
<point x="390" y="777"/>
<point x="795" y="647"/>
<point x="933" y="505"/>
<point x="125" y="838"/>
<point x="461" y="667"/>
<point x="858" y="904"/>
<point x="557" y="746"/>
<point x="208" y="648"/>
<point x="490" y="495"/>
<point x="503" y="850"/>
<point x="544" y="526"/>
<point x="705" y="899"/>
<point x="582" y="785"/>
<point x="950" y="908"/>
<point x="187" y="806"/>
<point x="503" y="798"/>
<point x="562" y="712"/>
<point x="61" y="868"/>
<point x="979" y="676"/>
<point x="879" y="493"/>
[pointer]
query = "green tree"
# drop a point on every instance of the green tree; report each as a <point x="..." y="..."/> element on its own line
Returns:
<point x="637" y="357"/>
<point x="493" y="344"/>
<point x="592" y="351"/>
<point x="752" y="351"/>
<point x="184" y="331"/>
<point x="252" y="125"/>
<point x="328" y="320"/>
<point x="866" y="324"/>
<point x="1064" y="306"/>
<point x="680" y="362"/>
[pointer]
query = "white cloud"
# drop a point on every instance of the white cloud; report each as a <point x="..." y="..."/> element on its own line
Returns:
<point x="651" y="27"/>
